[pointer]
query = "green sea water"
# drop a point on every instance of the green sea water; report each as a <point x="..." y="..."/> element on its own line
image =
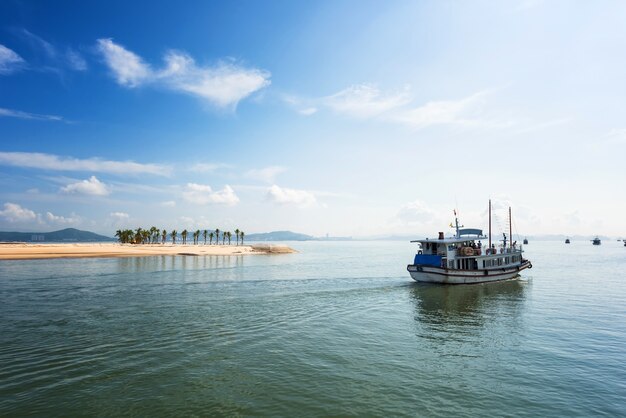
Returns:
<point x="338" y="329"/>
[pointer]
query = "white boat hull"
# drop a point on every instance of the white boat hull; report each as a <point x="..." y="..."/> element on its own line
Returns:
<point x="432" y="274"/>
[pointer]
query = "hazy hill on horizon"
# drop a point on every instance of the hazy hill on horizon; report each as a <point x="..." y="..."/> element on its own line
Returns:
<point x="63" y="235"/>
<point x="279" y="236"/>
<point x="296" y="236"/>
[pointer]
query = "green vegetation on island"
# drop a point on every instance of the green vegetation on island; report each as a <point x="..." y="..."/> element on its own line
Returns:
<point x="155" y="235"/>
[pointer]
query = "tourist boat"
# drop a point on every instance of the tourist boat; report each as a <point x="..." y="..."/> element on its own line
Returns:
<point x="596" y="241"/>
<point x="567" y="240"/>
<point x="461" y="259"/>
<point x="525" y="241"/>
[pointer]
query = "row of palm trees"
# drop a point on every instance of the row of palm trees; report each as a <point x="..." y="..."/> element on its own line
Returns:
<point x="154" y="235"/>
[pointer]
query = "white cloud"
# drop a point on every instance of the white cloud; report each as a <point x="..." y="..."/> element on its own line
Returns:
<point x="302" y="106"/>
<point x="52" y="59"/>
<point x="15" y="213"/>
<point x="203" y="194"/>
<point x="169" y="203"/>
<point x="91" y="186"/>
<point x="366" y="101"/>
<point x="9" y="60"/>
<point x="119" y="215"/>
<point x="308" y="111"/>
<point x="223" y="85"/>
<point x="38" y="42"/>
<point x="285" y="196"/>
<point x="75" y="60"/>
<point x="54" y="162"/>
<point x="208" y="167"/>
<point x="73" y="219"/>
<point x="118" y="219"/>
<point x="267" y="174"/>
<point x="416" y="213"/>
<point x="26" y="115"/>
<point x="128" y="68"/>
<point x="466" y="111"/>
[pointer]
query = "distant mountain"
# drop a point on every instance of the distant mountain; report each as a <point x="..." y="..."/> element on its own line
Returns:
<point x="64" y="235"/>
<point x="279" y="236"/>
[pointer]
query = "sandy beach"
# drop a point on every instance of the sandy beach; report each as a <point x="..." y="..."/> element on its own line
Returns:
<point x="24" y="251"/>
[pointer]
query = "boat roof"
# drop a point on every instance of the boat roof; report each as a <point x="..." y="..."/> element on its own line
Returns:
<point x="450" y="240"/>
<point x="467" y="234"/>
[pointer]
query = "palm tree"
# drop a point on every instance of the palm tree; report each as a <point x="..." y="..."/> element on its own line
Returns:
<point x="217" y="236"/>
<point x="204" y="234"/>
<point x="184" y="235"/>
<point x="241" y="234"/>
<point x="119" y="235"/>
<point x="163" y="236"/>
<point x="173" y="234"/>
<point x="223" y="238"/>
<point x="229" y="234"/>
<point x="138" y="236"/>
<point x="211" y="235"/>
<point x="237" y="235"/>
<point x="197" y="234"/>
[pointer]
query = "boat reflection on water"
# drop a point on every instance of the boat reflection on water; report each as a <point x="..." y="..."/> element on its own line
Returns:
<point x="475" y="304"/>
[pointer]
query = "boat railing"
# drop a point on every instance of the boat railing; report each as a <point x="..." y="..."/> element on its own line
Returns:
<point x="505" y="250"/>
<point x="473" y="252"/>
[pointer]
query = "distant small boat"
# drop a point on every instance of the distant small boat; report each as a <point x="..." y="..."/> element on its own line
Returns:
<point x="596" y="241"/>
<point x="567" y="240"/>
<point x="525" y="241"/>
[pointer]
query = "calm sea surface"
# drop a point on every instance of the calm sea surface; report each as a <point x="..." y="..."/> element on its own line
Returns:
<point x="338" y="329"/>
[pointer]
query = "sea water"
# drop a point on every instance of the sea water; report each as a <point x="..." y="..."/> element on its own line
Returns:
<point x="336" y="329"/>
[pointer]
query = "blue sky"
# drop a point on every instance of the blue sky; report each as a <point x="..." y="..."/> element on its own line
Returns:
<point x="348" y="118"/>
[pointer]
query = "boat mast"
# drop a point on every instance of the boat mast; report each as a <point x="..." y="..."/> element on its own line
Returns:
<point x="510" y="230"/>
<point x="456" y="222"/>
<point x="489" y="225"/>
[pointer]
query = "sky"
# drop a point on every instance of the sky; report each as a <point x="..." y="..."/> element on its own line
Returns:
<point x="347" y="118"/>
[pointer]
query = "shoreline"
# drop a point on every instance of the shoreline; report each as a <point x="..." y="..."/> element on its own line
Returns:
<point x="34" y="251"/>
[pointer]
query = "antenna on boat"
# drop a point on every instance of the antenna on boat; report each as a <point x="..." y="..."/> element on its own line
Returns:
<point x="510" y="230"/>
<point x="456" y="224"/>
<point x="489" y="225"/>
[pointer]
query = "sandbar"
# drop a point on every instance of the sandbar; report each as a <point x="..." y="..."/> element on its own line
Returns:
<point x="28" y="251"/>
